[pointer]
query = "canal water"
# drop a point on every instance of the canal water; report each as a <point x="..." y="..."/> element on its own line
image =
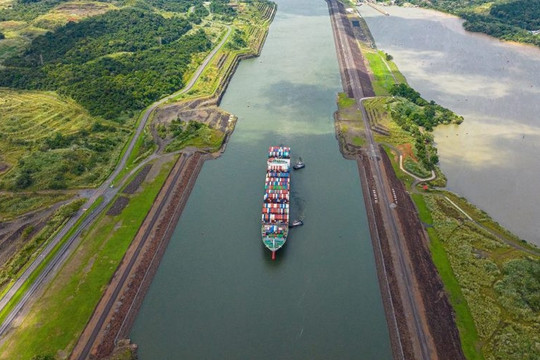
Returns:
<point x="217" y="294"/>
<point x="493" y="158"/>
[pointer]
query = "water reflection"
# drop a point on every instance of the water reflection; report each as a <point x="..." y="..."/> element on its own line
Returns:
<point x="217" y="294"/>
<point x="493" y="158"/>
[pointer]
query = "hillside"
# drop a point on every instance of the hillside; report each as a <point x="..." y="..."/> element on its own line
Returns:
<point x="73" y="76"/>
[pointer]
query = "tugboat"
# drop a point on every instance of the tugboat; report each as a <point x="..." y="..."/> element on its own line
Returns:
<point x="296" y="223"/>
<point x="299" y="164"/>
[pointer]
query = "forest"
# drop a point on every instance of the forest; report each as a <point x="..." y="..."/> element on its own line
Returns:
<point x="418" y="117"/>
<point x="113" y="64"/>
<point x="517" y="20"/>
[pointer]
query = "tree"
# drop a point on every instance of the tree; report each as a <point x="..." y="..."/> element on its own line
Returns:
<point x="24" y="180"/>
<point x="44" y="357"/>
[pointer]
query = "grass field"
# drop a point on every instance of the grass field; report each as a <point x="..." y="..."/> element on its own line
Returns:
<point x="492" y="286"/>
<point x="59" y="316"/>
<point x="204" y="138"/>
<point x="28" y="117"/>
<point x="54" y="141"/>
<point x="378" y="108"/>
<point x="20" y="33"/>
<point x="385" y="72"/>
<point x="13" y="205"/>
<point x="71" y="11"/>
<point x="464" y="320"/>
<point x="382" y="77"/>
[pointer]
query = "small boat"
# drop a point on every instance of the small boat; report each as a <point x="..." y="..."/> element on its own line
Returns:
<point x="296" y="223"/>
<point x="299" y="165"/>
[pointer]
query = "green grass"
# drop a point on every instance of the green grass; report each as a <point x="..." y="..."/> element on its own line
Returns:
<point x="22" y="290"/>
<point x="36" y="115"/>
<point x="13" y="205"/>
<point x="58" y="318"/>
<point x="358" y="141"/>
<point x="397" y="136"/>
<point x="382" y="77"/>
<point x="344" y="101"/>
<point x="204" y="138"/>
<point x="18" y="35"/>
<point x="397" y="74"/>
<point x="71" y="11"/>
<point x="30" y="120"/>
<point x="385" y="72"/>
<point x="464" y="320"/>
<point x="423" y="211"/>
<point x="494" y="313"/>
<point x="483" y="218"/>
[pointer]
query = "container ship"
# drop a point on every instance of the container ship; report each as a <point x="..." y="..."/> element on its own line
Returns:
<point x="275" y="211"/>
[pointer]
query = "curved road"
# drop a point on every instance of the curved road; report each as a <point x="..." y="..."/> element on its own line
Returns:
<point x="104" y="191"/>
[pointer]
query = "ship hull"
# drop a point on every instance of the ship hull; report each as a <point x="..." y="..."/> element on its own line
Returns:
<point x="275" y="210"/>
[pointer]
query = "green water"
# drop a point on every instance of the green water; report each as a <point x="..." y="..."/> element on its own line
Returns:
<point x="217" y="294"/>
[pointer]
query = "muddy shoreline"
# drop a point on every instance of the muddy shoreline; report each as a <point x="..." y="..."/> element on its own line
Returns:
<point x="116" y="312"/>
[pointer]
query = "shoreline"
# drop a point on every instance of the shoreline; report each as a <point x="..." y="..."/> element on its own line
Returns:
<point x="419" y="316"/>
<point x="115" y="314"/>
<point x="471" y="252"/>
<point x="443" y="13"/>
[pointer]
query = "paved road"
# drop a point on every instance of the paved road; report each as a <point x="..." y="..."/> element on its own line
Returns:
<point x="343" y="43"/>
<point x="106" y="192"/>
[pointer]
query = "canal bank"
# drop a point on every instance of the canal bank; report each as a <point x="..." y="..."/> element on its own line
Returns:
<point x="492" y="159"/>
<point x="217" y="293"/>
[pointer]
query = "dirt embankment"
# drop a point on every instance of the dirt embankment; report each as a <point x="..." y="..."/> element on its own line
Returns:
<point x="395" y="314"/>
<point x="425" y="292"/>
<point x="116" y="311"/>
<point x="439" y="312"/>
<point x="111" y="322"/>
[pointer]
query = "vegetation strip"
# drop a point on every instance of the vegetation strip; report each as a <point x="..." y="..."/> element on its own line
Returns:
<point x="487" y="272"/>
